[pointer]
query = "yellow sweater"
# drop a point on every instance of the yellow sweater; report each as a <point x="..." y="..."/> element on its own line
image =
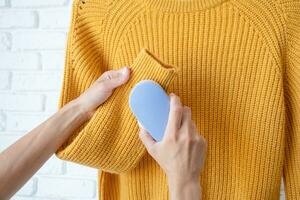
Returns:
<point x="236" y="63"/>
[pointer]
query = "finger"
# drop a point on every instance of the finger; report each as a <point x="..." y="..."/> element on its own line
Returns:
<point x="194" y="128"/>
<point x="187" y="120"/>
<point x="147" y="140"/>
<point x="204" y="146"/>
<point x="175" y="115"/>
<point x="114" y="78"/>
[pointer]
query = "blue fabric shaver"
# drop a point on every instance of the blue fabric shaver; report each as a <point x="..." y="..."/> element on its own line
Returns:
<point x="150" y="105"/>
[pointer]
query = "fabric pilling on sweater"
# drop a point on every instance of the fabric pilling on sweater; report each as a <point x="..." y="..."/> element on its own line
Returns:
<point x="236" y="63"/>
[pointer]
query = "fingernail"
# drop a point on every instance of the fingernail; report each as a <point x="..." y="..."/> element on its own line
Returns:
<point x="124" y="70"/>
<point x="172" y="94"/>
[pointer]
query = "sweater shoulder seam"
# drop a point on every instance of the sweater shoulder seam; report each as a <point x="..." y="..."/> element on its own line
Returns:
<point x="279" y="69"/>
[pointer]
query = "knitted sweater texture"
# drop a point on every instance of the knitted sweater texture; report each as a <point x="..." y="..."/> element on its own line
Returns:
<point x="236" y="63"/>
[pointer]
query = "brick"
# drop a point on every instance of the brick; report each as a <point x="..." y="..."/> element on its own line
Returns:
<point x="2" y="121"/>
<point x="73" y="198"/>
<point x="37" y="198"/>
<point x="55" y="18"/>
<point x="18" y="133"/>
<point x="5" y="41"/>
<point x="28" y="189"/>
<point x="66" y="187"/>
<point x="2" y="3"/>
<point x="39" y="40"/>
<point x="24" y="122"/>
<point x="4" y="80"/>
<point x="18" y="19"/>
<point x="53" y="60"/>
<point x="32" y="56"/>
<point x="19" y="60"/>
<point x="53" y="166"/>
<point x="21" y="102"/>
<point x="7" y="140"/>
<point x="80" y="170"/>
<point x="37" y="3"/>
<point x="52" y="102"/>
<point x="41" y="81"/>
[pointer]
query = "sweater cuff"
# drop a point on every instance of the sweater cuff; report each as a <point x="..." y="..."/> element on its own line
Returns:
<point x="109" y="140"/>
<point x="148" y="66"/>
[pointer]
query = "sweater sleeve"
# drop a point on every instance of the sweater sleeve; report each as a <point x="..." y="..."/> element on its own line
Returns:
<point x="292" y="95"/>
<point x="109" y="140"/>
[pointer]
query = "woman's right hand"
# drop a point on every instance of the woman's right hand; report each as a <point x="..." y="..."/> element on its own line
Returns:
<point x="181" y="153"/>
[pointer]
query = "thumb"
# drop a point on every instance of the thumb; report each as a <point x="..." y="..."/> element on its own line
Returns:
<point x="114" y="78"/>
<point x="147" y="140"/>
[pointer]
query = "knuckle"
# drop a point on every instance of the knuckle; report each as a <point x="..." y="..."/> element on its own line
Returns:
<point x="177" y="108"/>
<point x="172" y="138"/>
<point x="198" y="137"/>
<point x="175" y="100"/>
<point x="105" y="74"/>
<point x="189" y="128"/>
<point x="188" y="141"/>
<point x="187" y="136"/>
<point x="191" y="125"/>
<point x="109" y="75"/>
<point x="202" y="140"/>
<point x="187" y="109"/>
<point x="194" y="126"/>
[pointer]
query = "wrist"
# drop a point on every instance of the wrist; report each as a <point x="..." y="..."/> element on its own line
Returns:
<point x="181" y="188"/>
<point x="182" y="181"/>
<point x="65" y="121"/>
<point x="82" y="114"/>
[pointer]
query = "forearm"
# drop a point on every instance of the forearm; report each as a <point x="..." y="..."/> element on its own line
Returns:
<point x="180" y="190"/>
<point x="21" y="160"/>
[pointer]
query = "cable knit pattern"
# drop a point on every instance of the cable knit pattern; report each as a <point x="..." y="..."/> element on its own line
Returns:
<point x="236" y="63"/>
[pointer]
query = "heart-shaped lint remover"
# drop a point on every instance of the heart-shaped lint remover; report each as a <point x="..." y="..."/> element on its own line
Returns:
<point x="150" y="104"/>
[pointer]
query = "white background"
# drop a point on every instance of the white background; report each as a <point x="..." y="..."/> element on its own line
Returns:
<point x="32" y="49"/>
<point x="32" y="42"/>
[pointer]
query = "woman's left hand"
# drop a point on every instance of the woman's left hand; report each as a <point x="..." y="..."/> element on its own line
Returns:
<point x="102" y="89"/>
<point x="40" y="143"/>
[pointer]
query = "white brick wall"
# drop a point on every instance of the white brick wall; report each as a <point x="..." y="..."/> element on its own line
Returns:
<point x="32" y="49"/>
<point x="32" y="44"/>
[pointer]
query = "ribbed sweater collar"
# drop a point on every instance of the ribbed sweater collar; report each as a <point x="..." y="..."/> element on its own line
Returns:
<point x="180" y="5"/>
